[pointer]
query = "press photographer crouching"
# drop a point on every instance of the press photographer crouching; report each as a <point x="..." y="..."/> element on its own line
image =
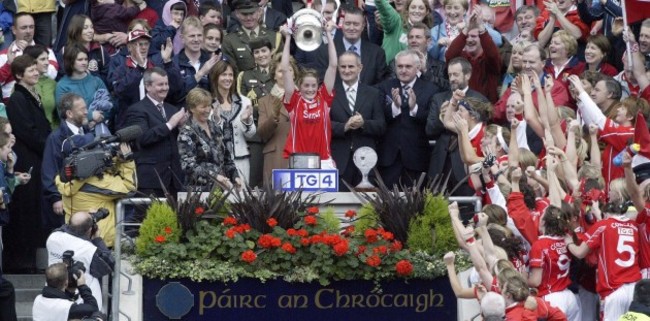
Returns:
<point x="97" y="174"/>
<point x="81" y="236"/>
<point x="57" y="302"/>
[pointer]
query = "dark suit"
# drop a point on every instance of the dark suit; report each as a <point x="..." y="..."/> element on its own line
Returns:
<point x="157" y="152"/>
<point x="273" y="19"/>
<point x="367" y="103"/>
<point x="404" y="148"/>
<point x="373" y="60"/>
<point x="444" y="160"/>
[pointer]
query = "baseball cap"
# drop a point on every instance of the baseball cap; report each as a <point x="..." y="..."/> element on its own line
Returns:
<point x="137" y="34"/>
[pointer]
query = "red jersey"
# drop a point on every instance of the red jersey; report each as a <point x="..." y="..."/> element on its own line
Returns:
<point x="311" y="128"/>
<point x="616" y="240"/>
<point x="616" y="138"/>
<point x="476" y="139"/>
<point x="545" y="311"/>
<point x="549" y="253"/>
<point x="643" y="219"/>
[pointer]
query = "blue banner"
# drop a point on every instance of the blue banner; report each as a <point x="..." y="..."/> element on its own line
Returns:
<point x="307" y="180"/>
<point x="250" y="299"/>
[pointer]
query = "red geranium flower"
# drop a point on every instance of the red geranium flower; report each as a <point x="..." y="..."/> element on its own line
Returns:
<point x="292" y="232"/>
<point x="371" y="235"/>
<point x="388" y="236"/>
<point x="361" y="249"/>
<point x="404" y="268"/>
<point x="350" y="213"/>
<point x="230" y="233"/>
<point x="272" y="222"/>
<point x="160" y="239"/>
<point x="288" y="247"/>
<point x="304" y="241"/>
<point x="199" y="211"/>
<point x="373" y="261"/>
<point x="341" y="248"/>
<point x="303" y="233"/>
<point x="310" y="220"/>
<point x="397" y="246"/>
<point x="380" y="250"/>
<point x="312" y="210"/>
<point x="168" y="230"/>
<point x="248" y="256"/>
<point x="276" y="242"/>
<point x="229" y="221"/>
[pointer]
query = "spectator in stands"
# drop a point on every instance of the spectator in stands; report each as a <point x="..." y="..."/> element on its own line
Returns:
<point x="602" y="13"/>
<point x="205" y="160"/>
<point x="533" y="66"/>
<point x="514" y="66"/>
<point x="174" y="12"/>
<point x="562" y="61"/>
<point x="212" y="36"/>
<point x="81" y="33"/>
<point x="236" y="44"/>
<point x="357" y="118"/>
<point x="42" y="12"/>
<point x="55" y="302"/>
<point x="74" y="115"/>
<point x="559" y="15"/>
<point x="606" y="94"/>
<point x="395" y="23"/>
<point x="493" y="307"/>
<point x="77" y="79"/>
<point x="109" y="16"/>
<point x="433" y="70"/>
<point x="474" y="44"/>
<point x="191" y="56"/>
<point x="24" y="233"/>
<point x="210" y="14"/>
<point x="273" y="126"/>
<point x="46" y="85"/>
<point x="597" y="49"/>
<point x="270" y="18"/>
<point x="23" y="30"/>
<point x="236" y="112"/>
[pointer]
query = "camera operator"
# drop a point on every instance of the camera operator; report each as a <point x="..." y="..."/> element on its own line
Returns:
<point x="55" y="303"/>
<point x="81" y="235"/>
<point x="99" y="191"/>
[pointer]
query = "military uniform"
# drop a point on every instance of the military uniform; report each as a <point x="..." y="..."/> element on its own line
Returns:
<point x="236" y="45"/>
<point x="255" y="84"/>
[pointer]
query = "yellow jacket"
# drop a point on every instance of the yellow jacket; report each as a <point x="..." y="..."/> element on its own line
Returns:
<point x="36" y="6"/>
<point x="92" y="193"/>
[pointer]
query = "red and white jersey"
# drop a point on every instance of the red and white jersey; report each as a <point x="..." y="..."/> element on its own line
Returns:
<point x="311" y="127"/>
<point x="616" y="137"/>
<point x="550" y="254"/>
<point x="616" y="240"/>
<point x="475" y="137"/>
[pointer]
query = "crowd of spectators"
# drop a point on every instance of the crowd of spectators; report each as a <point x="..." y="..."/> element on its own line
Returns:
<point x="531" y="105"/>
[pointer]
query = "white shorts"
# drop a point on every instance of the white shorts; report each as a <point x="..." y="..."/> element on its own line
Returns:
<point x="617" y="303"/>
<point x="645" y="273"/>
<point x="567" y="302"/>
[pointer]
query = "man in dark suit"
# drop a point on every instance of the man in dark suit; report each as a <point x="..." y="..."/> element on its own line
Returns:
<point x="446" y="156"/>
<point x="236" y="44"/>
<point x="372" y="56"/>
<point x="270" y="18"/>
<point x="404" y="148"/>
<point x="157" y="153"/>
<point x="357" y="118"/>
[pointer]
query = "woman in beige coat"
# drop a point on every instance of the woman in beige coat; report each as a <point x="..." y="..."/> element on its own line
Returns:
<point x="273" y="124"/>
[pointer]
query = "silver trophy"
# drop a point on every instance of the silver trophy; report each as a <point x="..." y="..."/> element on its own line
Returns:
<point x="365" y="158"/>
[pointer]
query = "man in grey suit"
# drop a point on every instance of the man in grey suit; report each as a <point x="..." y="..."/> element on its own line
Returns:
<point x="357" y="118"/>
<point x="445" y="157"/>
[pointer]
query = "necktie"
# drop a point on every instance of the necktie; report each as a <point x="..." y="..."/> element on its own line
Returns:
<point x="405" y="96"/>
<point x="263" y="71"/>
<point x="81" y="130"/>
<point x="161" y="109"/>
<point x="253" y="35"/>
<point x="351" y="98"/>
<point x="353" y="48"/>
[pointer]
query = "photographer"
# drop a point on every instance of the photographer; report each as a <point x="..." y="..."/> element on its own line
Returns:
<point x="81" y="236"/>
<point x="55" y="303"/>
<point x="99" y="191"/>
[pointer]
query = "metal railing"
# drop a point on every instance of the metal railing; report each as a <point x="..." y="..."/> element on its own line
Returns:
<point x="119" y="233"/>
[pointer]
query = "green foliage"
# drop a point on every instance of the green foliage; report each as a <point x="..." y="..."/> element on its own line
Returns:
<point x="366" y="218"/>
<point x="431" y="232"/>
<point x="160" y="226"/>
<point x="331" y="222"/>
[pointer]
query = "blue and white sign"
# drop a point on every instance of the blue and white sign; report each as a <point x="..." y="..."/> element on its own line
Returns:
<point x="307" y="180"/>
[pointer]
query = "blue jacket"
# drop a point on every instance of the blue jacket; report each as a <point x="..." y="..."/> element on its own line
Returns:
<point x="188" y="72"/>
<point x="6" y="18"/>
<point x="6" y="195"/>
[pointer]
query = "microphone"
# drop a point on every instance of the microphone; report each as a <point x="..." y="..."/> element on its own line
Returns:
<point x="123" y="135"/>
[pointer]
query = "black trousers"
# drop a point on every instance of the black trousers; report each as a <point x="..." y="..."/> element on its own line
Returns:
<point x="7" y="301"/>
